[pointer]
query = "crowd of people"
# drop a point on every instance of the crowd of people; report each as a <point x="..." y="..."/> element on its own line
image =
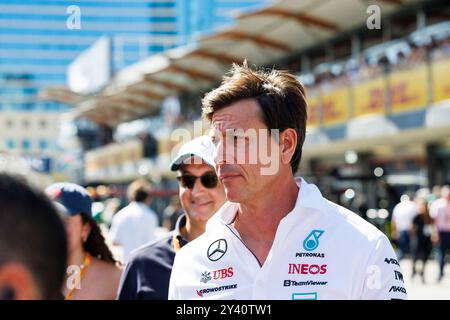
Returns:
<point x="241" y="231"/>
<point x="420" y="223"/>
<point x="79" y="261"/>
<point x="385" y="59"/>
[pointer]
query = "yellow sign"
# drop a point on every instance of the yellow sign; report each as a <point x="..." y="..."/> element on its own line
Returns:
<point x="335" y="105"/>
<point x="313" y="111"/>
<point x="132" y="151"/>
<point x="408" y="89"/>
<point x="369" y="97"/>
<point x="113" y="155"/>
<point x="440" y="73"/>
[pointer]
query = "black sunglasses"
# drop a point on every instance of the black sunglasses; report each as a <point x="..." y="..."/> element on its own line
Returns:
<point x="209" y="180"/>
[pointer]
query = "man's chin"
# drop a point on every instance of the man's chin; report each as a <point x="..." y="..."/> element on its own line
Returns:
<point x="233" y="194"/>
<point x="202" y="214"/>
<point x="201" y="217"/>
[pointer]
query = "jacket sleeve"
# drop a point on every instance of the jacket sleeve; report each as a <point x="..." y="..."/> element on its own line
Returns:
<point x="128" y="282"/>
<point x="173" y="284"/>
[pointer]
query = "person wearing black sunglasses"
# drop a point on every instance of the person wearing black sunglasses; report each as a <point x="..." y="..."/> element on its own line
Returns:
<point x="147" y="273"/>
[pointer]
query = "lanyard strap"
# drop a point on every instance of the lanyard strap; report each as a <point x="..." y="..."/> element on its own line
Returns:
<point x="86" y="262"/>
<point x="176" y="243"/>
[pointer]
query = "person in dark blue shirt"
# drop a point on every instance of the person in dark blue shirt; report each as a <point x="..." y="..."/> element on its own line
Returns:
<point x="147" y="273"/>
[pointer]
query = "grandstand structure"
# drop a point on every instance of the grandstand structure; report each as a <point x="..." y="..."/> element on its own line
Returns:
<point x="378" y="99"/>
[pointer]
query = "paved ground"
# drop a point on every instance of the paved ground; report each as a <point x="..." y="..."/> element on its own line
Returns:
<point x="431" y="290"/>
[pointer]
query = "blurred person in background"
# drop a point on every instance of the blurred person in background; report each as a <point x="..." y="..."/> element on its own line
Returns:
<point x="422" y="231"/>
<point x="112" y="206"/>
<point x="172" y="212"/>
<point x="440" y="212"/>
<point x="402" y="218"/>
<point x="434" y="195"/>
<point x="92" y="273"/>
<point x="147" y="274"/>
<point x="33" y="245"/>
<point x="136" y="224"/>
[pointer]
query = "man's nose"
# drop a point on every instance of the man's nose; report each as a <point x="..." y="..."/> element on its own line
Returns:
<point x="198" y="187"/>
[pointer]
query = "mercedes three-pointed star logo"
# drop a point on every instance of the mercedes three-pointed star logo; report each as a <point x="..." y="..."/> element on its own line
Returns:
<point x="217" y="249"/>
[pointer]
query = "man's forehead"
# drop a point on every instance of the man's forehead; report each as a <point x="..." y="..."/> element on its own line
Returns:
<point x="239" y="115"/>
<point x="194" y="164"/>
<point x="222" y="121"/>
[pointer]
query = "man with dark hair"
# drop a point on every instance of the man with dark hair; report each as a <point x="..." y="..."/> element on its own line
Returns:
<point x="33" y="247"/>
<point x="280" y="100"/>
<point x="135" y="225"/>
<point x="276" y="237"/>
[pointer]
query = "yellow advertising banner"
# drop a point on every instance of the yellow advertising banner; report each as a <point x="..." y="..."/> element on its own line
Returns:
<point x="166" y="145"/>
<point x="313" y="110"/>
<point x="132" y="151"/>
<point x="409" y="89"/>
<point x="113" y="155"/>
<point x="90" y="165"/>
<point x="369" y="97"/>
<point x="335" y="106"/>
<point x="440" y="73"/>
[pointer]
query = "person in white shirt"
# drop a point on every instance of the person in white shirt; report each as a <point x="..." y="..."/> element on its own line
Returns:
<point x="136" y="224"/>
<point x="276" y="237"/>
<point x="440" y="212"/>
<point x="402" y="218"/>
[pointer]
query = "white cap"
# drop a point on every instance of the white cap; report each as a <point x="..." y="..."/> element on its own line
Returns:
<point x="201" y="147"/>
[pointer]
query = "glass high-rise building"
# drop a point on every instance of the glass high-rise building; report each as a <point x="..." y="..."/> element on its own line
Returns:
<point x="40" y="38"/>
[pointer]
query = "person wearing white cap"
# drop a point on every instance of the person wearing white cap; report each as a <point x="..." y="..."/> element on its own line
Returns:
<point x="147" y="273"/>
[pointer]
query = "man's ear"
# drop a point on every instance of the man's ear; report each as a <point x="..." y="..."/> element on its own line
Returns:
<point x="16" y="283"/>
<point x="288" y="144"/>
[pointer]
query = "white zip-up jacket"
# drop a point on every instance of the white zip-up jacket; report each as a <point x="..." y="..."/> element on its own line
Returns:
<point x="320" y="251"/>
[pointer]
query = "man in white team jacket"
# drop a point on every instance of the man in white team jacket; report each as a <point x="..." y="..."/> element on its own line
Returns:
<point x="276" y="237"/>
